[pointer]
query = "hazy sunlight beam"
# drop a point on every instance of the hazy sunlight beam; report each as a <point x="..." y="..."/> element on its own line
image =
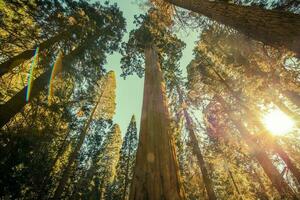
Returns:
<point x="277" y="122"/>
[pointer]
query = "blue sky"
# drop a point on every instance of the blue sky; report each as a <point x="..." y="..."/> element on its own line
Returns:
<point x="130" y="91"/>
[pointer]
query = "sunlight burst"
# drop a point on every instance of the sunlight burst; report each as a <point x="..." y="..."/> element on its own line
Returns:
<point x="277" y="122"/>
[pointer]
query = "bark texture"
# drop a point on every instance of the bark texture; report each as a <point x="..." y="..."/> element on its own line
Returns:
<point x="156" y="174"/>
<point x="272" y="27"/>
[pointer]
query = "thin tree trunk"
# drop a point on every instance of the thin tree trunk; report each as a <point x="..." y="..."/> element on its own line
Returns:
<point x="273" y="144"/>
<point x="60" y="188"/>
<point x="46" y="180"/>
<point x="156" y="174"/>
<point x="27" y="54"/>
<point x="274" y="28"/>
<point x="197" y="151"/>
<point x="277" y="180"/>
<point x="234" y="184"/>
<point x="17" y="102"/>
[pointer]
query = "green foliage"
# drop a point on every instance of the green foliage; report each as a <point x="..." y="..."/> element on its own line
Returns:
<point x="119" y="189"/>
<point x="43" y="133"/>
<point x="152" y="29"/>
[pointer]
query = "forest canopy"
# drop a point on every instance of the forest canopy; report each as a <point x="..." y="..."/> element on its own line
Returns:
<point x="152" y="99"/>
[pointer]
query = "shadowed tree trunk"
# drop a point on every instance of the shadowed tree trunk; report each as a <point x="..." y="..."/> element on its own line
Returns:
<point x="261" y="156"/>
<point x="197" y="151"/>
<point x="156" y="174"/>
<point x="66" y="174"/>
<point x="18" y="101"/>
<point x="272" y="143"/>
<point x="44" y="185"/>
<point x="274" y="28"/>
<point x="26" y="55"/>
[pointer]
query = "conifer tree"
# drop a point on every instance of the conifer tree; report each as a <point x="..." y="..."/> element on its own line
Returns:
<point x="124" y="172"/>
<point x="103" y="171"/>
<point x="103" y="108"/>
<point x="260" y="153"/>
<point x="156" y="172"/>
<point x="95" y="39"/>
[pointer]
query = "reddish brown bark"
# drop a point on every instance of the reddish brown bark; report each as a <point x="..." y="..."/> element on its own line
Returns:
<point x="274" y="28"/>
<point x="156" y="174"/>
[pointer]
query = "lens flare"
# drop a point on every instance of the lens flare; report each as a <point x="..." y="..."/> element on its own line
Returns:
<point x="56" y="69"/>
<point x="277" y="122"/>
<point x="30" y="75"/>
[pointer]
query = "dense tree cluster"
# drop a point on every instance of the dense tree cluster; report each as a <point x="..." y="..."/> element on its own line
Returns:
<point x="203" y="136"/>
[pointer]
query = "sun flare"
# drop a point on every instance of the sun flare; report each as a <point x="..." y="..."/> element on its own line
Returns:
<point x="277" y="122"/>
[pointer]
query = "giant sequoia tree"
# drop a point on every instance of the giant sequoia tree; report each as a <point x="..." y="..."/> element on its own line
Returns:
<point x="275" y="28"/>
<point x="209" y="135"/>
<point x="156" y="172"/>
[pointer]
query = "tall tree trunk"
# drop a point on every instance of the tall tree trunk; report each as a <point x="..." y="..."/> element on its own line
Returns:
<point x="197" y="151"/>
<point x="27" y="54"/>
<point x="261" y="156"/>
<point x="156" y="174"/>
<point x="66" y="174"/>
<point x="17" y="102"/>
<point x="272" y="143"/>
<point x="274" y="28"/>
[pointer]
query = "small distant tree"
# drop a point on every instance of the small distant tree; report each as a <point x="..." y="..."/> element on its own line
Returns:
<point x="120" y="187"/>
<point x="103" y="168"/>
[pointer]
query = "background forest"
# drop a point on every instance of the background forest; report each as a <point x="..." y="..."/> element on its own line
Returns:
<point x="219" y="117"/>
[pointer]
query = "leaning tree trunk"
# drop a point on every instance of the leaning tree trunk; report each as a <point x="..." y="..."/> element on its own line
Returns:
<point x="156" y="174"/>
<point x="18" y="101"/>
<point x="67" y="172"/>
<point x="261" y="156"/>
<point x="272" y="143"/>
<point x="47" y="177"/>
<point x="274" y="28"/>
<point x="197" y="151"/>
<point x="8" y="65"/>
